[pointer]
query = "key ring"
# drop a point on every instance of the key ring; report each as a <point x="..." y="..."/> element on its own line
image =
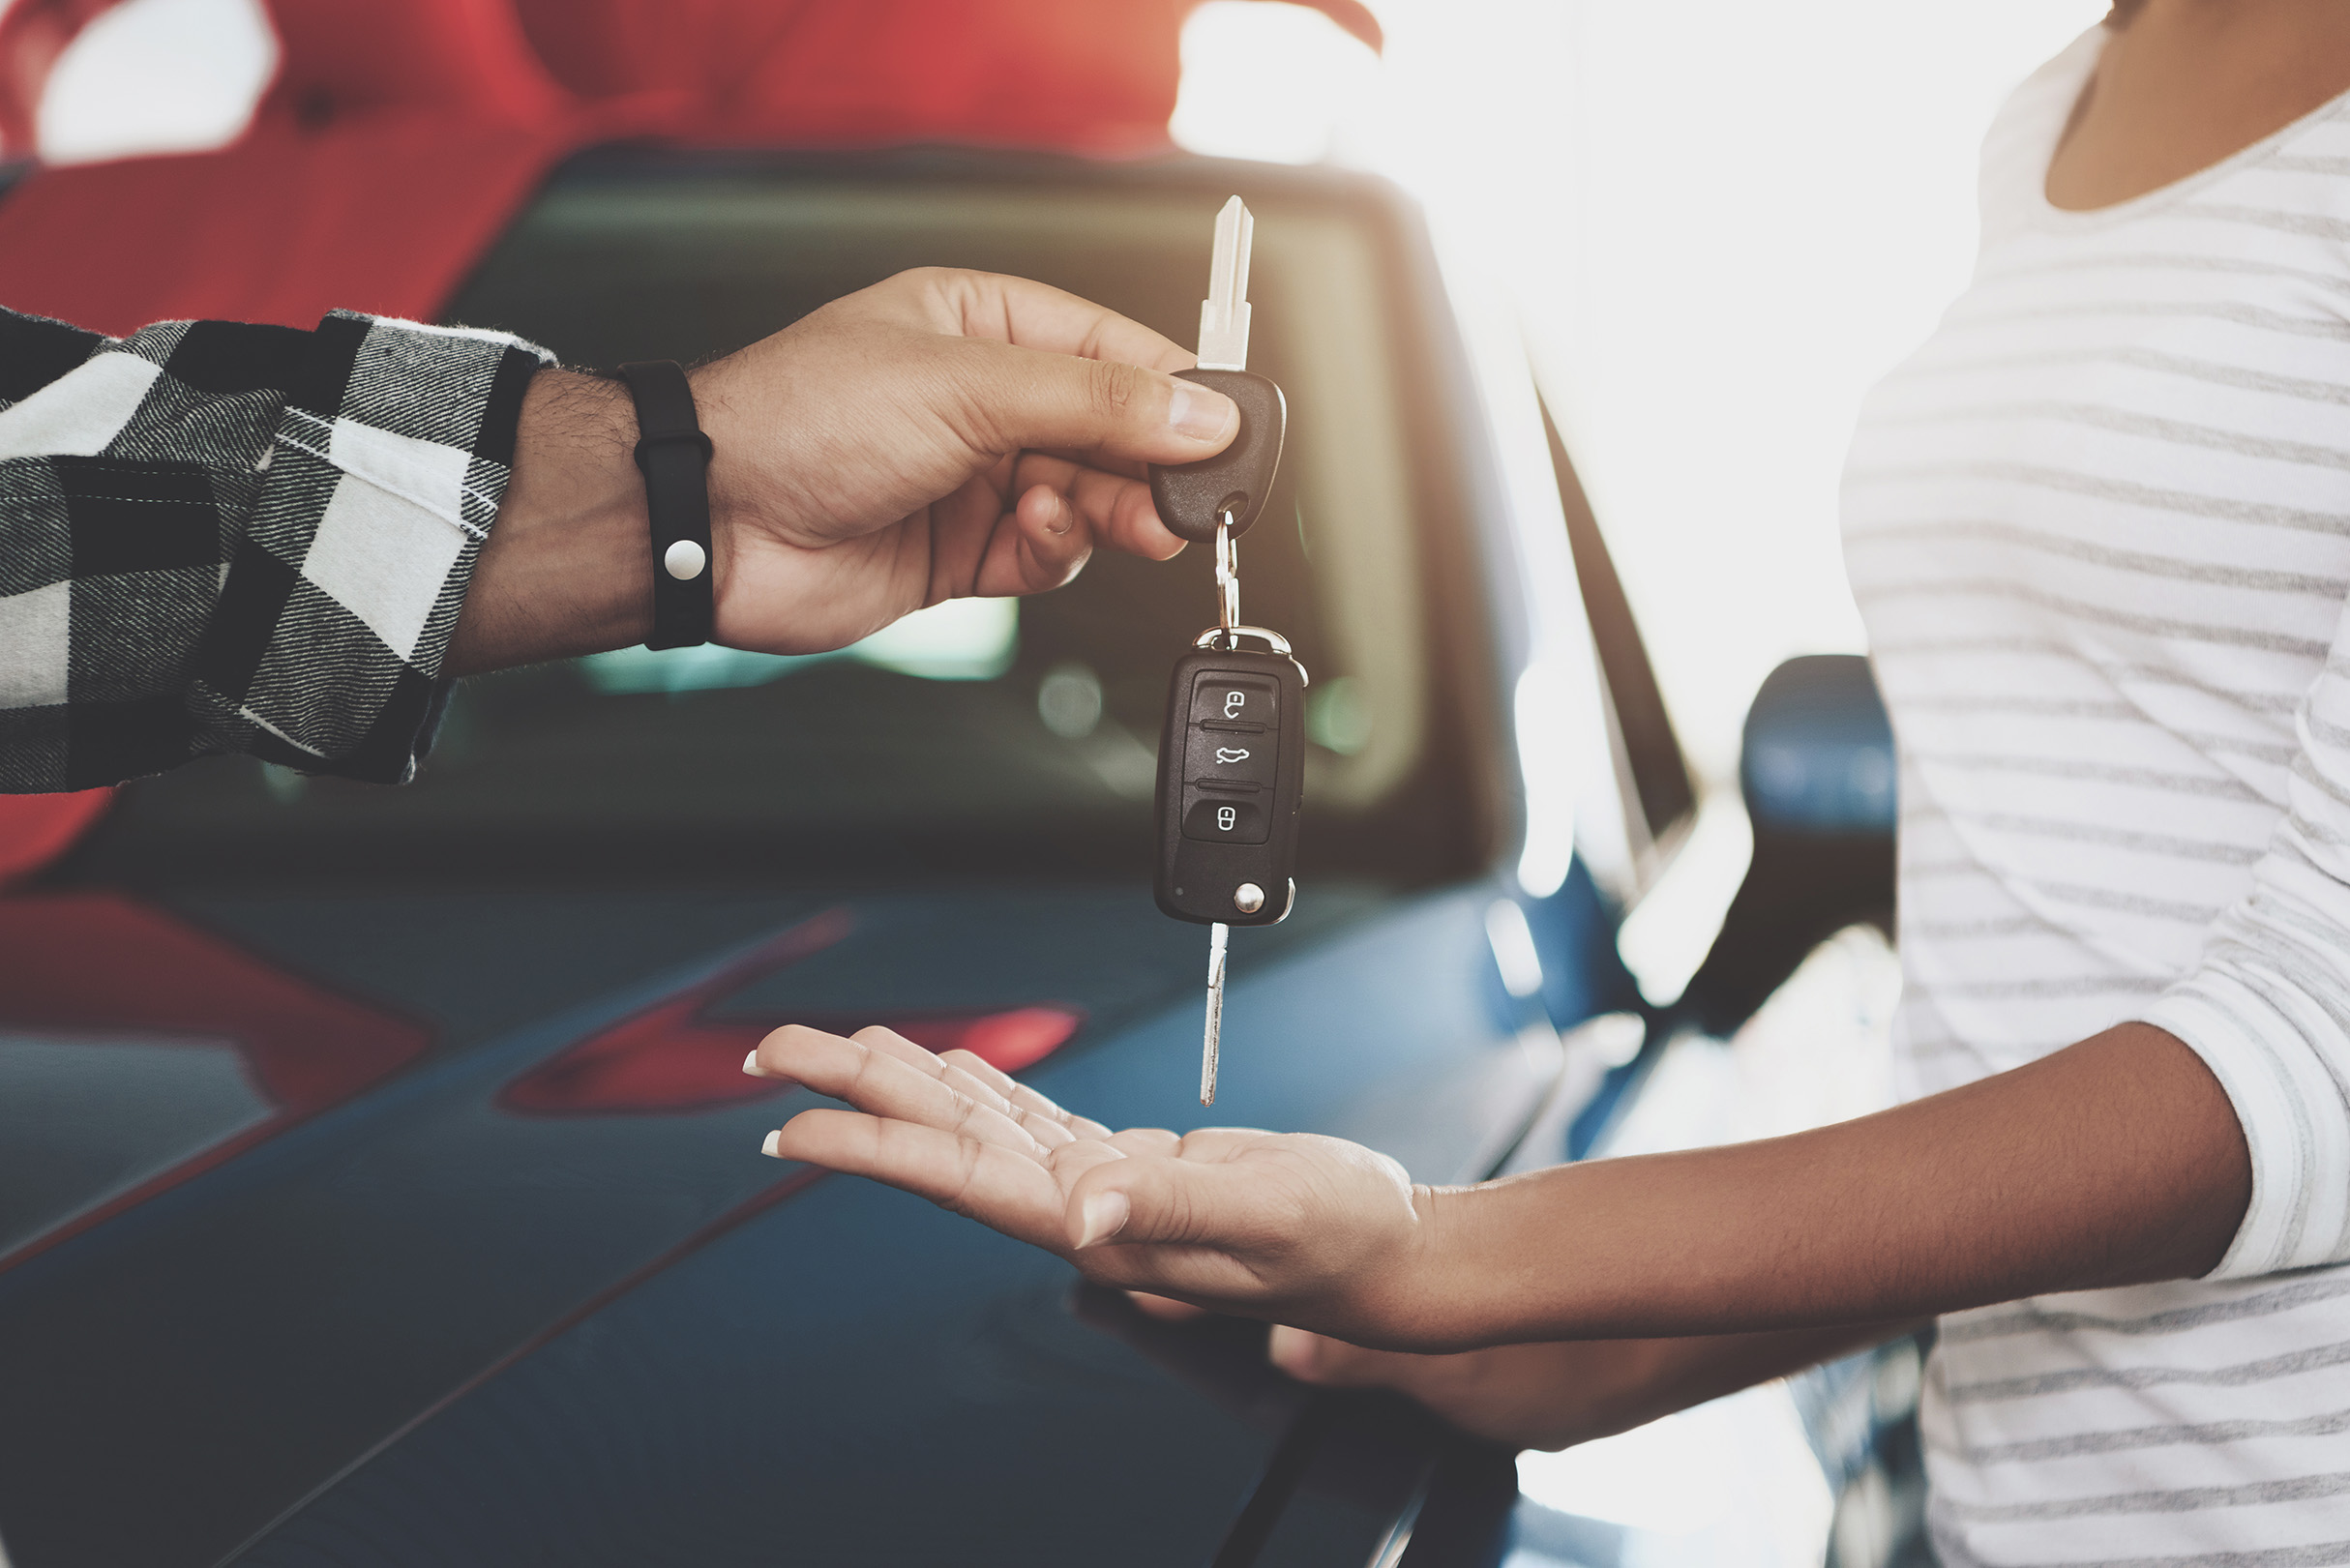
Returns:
<point x="1230" y="637"/>
<point x="1228" y="630"/>
<point x="1228" y="572"/>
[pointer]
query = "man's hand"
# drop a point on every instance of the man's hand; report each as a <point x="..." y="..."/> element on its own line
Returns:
<point x="939" y="435"/>
<point x="1293" y="1227"/>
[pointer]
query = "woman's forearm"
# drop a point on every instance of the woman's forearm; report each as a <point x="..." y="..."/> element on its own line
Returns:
<point x="2117" y="1161"/>
<point x="1562" y="1392"/>
<point x="1661" y="1375"/>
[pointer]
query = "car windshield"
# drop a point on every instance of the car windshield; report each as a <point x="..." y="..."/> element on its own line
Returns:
<point x="982" y="736"/>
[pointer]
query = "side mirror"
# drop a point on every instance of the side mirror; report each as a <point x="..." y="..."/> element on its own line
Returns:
<point x="1818" y="760"/>
<point x="1819" y="777"/>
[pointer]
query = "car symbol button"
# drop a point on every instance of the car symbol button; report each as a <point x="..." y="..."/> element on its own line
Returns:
<point x="1232" y="755"/>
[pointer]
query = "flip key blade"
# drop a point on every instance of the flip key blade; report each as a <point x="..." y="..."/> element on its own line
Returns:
<point x="1224" y="314"/>
<point x="1212" y="1042"/>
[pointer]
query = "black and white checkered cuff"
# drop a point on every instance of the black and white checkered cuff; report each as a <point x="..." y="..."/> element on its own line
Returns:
<point x="384" y="475"/>
<point x="217" y="537"/>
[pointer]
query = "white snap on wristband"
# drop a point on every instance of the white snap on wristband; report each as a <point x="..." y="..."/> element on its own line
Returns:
<point x="675" y="457"/>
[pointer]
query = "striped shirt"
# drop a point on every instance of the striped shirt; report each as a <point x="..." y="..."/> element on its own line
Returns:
<point x="2100" y="528"/>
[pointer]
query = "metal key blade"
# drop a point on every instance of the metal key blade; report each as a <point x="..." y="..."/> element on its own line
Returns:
<point x="1224" y="314"/>
<point x="1212" y="1042"/>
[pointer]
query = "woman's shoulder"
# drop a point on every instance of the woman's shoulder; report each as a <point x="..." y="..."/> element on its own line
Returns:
<point x="2025" y="131"/>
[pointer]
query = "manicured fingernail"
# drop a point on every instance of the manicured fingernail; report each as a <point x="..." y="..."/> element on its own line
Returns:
<point x="1199" y="413"/>
<point x="1105" y="1216"/>
<point x="749" y="1065"/>
<point x="774" y="1143"/>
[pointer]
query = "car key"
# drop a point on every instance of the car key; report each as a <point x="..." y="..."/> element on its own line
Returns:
<point x="1226" y="492"/>
<point x="1232" y="755"/>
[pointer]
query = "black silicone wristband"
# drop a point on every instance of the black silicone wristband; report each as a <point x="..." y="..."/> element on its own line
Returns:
<point x="675" y="457"/>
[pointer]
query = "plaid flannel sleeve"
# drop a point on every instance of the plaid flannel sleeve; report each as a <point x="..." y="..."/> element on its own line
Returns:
<point x="219" y="538"/>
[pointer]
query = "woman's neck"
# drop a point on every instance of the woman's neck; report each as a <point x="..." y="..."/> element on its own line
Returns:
<point x="2187" y="83"/>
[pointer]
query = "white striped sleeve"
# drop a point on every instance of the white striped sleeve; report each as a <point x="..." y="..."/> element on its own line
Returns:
<point x="2268" y="1009"/>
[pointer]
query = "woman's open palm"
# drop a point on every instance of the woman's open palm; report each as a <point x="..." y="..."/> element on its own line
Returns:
<point x="1294" y="1226"/>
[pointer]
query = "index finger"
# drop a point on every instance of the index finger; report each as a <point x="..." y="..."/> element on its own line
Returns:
<point x="885" y="1084"/>
<point x="1117" y="510"/>
<point x="965" y="1074"/>
<point x="1037" y="315"/>
<point x="1021" y="1094"/>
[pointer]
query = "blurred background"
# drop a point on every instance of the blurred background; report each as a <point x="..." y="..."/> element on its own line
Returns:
<point x="1719" y="222"/>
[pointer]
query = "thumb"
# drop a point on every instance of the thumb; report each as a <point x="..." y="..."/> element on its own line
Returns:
<point x="1143" y="1200"/>
<point x="1028" y="398"/>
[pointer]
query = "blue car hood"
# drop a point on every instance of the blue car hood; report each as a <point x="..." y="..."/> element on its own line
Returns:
<point x="461" y="1194"/>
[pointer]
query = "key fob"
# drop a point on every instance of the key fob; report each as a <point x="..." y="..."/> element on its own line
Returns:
<point x="1191" y="496"/>
<point x="1232" y="775"/>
